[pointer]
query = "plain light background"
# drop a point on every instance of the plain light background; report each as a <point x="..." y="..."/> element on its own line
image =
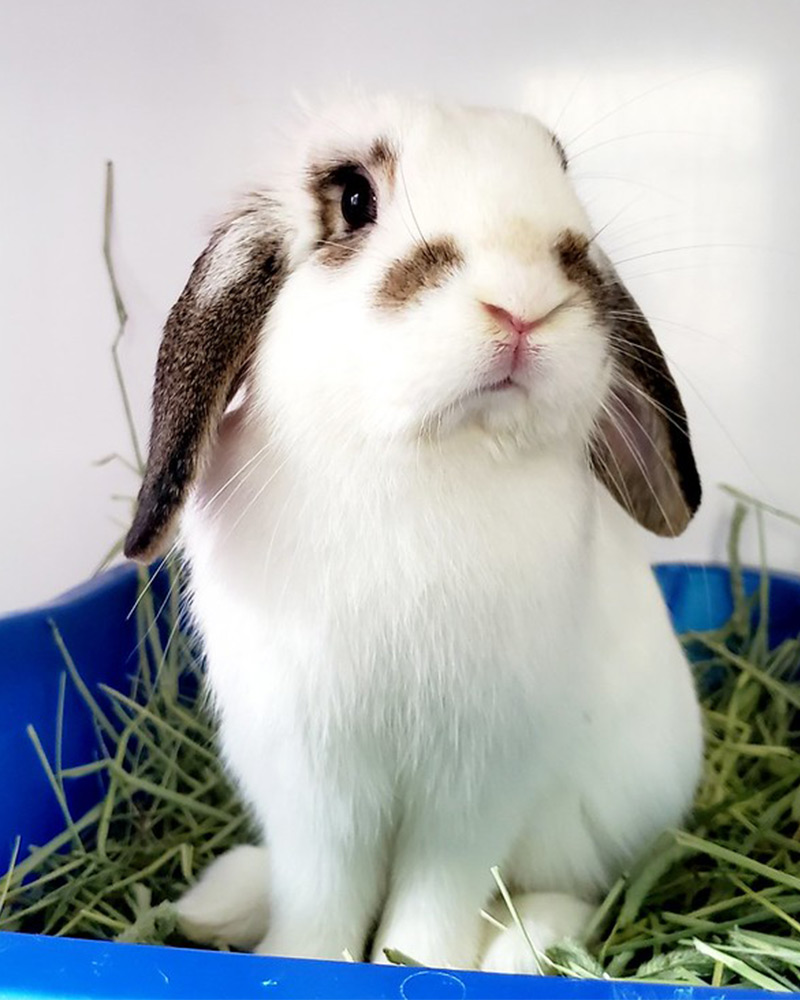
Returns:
<point x="681" y="119"/>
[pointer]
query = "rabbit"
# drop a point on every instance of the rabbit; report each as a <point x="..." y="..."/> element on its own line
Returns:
<point x="408" y="425"/>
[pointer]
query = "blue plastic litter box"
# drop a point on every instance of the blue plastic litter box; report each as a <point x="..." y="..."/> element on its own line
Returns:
<point x="33" y="966"/>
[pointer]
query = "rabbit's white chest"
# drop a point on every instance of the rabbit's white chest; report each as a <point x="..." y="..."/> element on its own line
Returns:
<point x="430" y="646"/>
<point x="492" y="659"/>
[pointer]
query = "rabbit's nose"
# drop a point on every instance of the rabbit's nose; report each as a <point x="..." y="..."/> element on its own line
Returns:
<point x="508" y="321"/>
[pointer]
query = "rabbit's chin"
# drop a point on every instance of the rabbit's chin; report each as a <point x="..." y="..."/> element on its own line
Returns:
<point x="508" y="420"/>
<point x="501" y="418"/>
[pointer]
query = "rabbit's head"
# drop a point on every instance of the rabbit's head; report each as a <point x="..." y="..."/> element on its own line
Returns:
<point x="423" y="272"/>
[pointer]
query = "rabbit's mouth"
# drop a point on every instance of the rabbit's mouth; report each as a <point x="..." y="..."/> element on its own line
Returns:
<point x="496" y="389"/>
<point x="498" y="394"/>
<point x="506" y="383"/>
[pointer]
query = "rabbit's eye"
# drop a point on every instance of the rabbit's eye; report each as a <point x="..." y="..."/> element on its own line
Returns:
<point x="359" y="202"/>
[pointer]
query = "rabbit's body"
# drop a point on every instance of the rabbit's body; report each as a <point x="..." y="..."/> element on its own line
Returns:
<point x="432" y="636"/>
<point x="406" y="695"/>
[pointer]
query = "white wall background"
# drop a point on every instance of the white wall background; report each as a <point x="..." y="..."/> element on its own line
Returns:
<point x="681" y="117"/>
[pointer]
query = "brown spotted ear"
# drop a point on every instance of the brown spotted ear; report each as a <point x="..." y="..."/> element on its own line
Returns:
<point x="641" y="449"/>
<point x="208" y="341"/>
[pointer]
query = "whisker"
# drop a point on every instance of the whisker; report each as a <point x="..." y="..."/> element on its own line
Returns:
<point x="703" y="246"/>
<point x="619" y="479"/>
<point x="235" y="475"/>
<point x="634" y="453"/>
<point x="638" y="97"/>
<point x="634" y="182"/>
<point x="569" y="101"/>
<point x="671" y="416"/>
<point x="706" y="406"/>
<point x="619" y="341"/>
<point x="637" y="457"/>
<point x="425" y="243"/>
<point x="666" y="411"/>
<point x="615" y="218"/>
<point x="636" y="135"/>
<point x="645" y="225"/>
<point x="351" y="250"/>
<point x="254" y="499"/>
<point x="158" y="613"/>
<point x="151" y="579"/>
<point x="242" y="482"/>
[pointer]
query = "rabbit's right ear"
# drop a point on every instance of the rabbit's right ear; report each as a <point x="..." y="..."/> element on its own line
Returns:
<point x="208" y="341"/>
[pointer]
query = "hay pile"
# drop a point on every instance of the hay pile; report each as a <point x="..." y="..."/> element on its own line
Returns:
<point x="168" y="808"/>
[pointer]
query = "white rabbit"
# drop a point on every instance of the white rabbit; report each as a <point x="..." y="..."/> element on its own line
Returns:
<point x="433" y="638"/>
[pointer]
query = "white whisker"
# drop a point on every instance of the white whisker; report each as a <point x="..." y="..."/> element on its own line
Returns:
<point x="638" y="458"/>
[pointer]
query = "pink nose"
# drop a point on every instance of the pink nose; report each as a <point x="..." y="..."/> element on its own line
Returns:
<point x="508" y="321"/>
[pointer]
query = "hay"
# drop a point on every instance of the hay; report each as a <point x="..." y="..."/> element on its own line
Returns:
<point x="168" y="808"/>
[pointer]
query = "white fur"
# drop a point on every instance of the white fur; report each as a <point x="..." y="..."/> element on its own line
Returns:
<point x="547" y="918"/>
<point x="228" y="906"/>
<point x="434" y="641"/>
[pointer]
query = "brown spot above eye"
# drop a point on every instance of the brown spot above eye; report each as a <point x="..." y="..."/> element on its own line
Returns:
<point x="572" y="250"/>
<point x="427" y="267"/>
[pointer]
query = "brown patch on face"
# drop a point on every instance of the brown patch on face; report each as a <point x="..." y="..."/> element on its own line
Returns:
<point x="204" y="354"/>
<point x="572" y="251"/>
<point x="427" y="267"/>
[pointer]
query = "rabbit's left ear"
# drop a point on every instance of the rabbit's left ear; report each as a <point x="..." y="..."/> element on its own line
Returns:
<point x="208" y="341"/>
<point x="641" y="449"/>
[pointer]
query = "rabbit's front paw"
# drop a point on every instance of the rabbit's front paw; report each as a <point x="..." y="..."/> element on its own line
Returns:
<point x="548" y="917"/>
<point x="228" y="904"/>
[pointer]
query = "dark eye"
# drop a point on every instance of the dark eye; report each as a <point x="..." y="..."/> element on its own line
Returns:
<point x="359" y="203"/>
